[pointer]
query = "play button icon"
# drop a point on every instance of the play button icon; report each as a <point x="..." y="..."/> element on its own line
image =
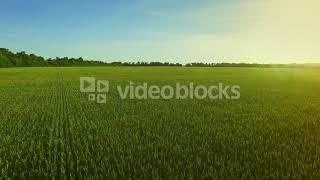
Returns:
<point x="102" y="86"/>
<point x="101" y="98"/>
<point x="87" y="84"/>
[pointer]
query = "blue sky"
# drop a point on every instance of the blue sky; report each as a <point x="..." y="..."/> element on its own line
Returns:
<point x="166" y="30"/>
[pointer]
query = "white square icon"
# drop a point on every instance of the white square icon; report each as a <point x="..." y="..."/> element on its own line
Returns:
<point x="101" y="98"/>
<point x="102" y="86"/>
<point x="92" y="97"/>
<point x="87" y="84"/>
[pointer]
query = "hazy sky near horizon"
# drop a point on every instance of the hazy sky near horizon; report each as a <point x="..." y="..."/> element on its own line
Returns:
<point x="262" y="31"/>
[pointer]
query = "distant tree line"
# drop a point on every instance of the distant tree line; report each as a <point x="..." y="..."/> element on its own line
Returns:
<point x="250" y="65"/>
<point x="22" y="59"/>
<point x="144" y="64"/>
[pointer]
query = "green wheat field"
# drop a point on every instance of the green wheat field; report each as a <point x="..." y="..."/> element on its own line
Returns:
<point x="48" y="128"/>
